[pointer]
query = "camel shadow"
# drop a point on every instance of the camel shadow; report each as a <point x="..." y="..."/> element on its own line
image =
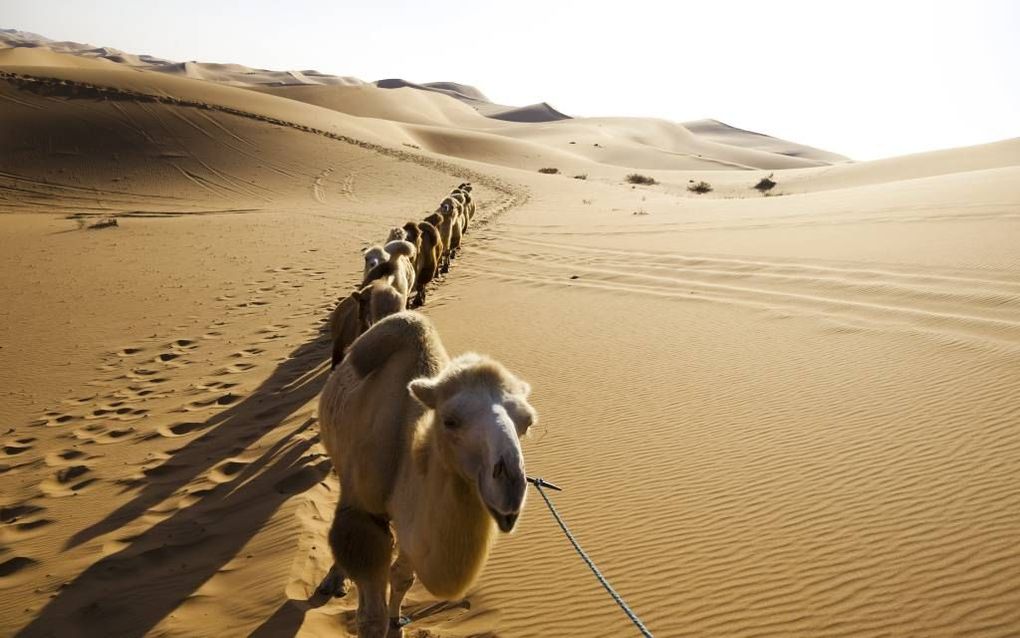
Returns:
<point x="290" y="615"/>
<point x="291" y="385"/>
<point x="144" y="578"/>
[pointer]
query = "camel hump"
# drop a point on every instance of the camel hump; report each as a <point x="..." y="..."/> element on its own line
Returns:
<point x="400" y="248"/>
<point x="380" y="271"/>
<point x="435" y="219"/>
<point x="407" y="330"/>
<point x="396" y="233"/>
<point x="429" y="230"/>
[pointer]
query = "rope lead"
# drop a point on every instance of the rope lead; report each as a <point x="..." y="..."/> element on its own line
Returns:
<point x="539" y="484"/>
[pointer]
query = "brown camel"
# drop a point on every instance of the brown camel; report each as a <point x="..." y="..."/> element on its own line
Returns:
<point x="445" y="220"/>
<point x="429" y="243"/>
<point x="463" y="194"/>
<point x="427" y="449"/>
<point x="344" y="327"/>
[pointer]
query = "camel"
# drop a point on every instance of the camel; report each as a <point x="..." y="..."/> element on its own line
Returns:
<point x="377" y="300"/>
<point x="445" y="219"/>
<point x="428" y="453"/>
<point x="358" y="311"/>
<point x="345" y="325"/>
<point x="375" y="255"/>
<point x="463" y="194"/>
<point x="398" y="271"/>
<point x="430" y="248"/>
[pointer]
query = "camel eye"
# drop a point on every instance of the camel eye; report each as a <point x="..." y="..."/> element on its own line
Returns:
<point x="451" y="423"/>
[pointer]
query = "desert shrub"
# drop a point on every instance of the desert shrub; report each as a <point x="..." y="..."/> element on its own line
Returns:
<point x="700" y="188"/>
<point x="581" y="176"/>
<point x="765" y="184"/>
<point x="637" y="178"/>
<point x="549" y="171"/>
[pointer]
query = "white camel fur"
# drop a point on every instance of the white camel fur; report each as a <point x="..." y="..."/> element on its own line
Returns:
<point x="426" y="448"/>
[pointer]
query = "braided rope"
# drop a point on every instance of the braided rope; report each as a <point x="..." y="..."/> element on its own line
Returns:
<point x="539" y="484"/>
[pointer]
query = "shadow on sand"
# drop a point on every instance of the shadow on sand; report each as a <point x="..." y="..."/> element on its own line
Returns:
<point x="144" y="578"/>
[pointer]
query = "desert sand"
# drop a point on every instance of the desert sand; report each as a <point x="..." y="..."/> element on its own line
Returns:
<point x="790" y="415"/>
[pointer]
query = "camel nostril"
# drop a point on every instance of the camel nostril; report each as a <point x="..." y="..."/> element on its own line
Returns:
<point x="499" y="470"/>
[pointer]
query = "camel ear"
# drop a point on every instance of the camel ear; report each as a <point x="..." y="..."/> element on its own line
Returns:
<point x="424" y="390"/>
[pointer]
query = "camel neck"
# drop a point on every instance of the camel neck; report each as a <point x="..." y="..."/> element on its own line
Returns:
<point x="459" y="527"/>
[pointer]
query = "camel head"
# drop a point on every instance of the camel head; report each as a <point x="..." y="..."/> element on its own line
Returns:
<point x="480" y="411"/>
<point x="374" y="255"/>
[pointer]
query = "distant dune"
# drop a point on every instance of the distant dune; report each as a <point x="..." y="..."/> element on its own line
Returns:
<point x="781" y="407"/>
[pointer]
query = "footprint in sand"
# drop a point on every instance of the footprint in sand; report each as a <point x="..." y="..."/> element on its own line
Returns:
<point x="14" y="565"/>
<point x="64" y="457"/>
<point x="227" y="470"/>
<point x="182" y="429"/>
<point x="247" y="352"/>
<point x="68" y="481"/>
<point x="201" y="404"/>
<point x="23" y="520"/>
<point x="234" y="369"/>
<point x="18" y="446"/>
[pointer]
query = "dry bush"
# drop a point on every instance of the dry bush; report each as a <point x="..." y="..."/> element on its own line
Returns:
<point x="637" y="178"/>
<point x="765" y="184"/>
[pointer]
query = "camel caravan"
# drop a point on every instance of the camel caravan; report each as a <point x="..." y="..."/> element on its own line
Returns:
<point x="411" y="258"/>
<point x="426" y="446"/>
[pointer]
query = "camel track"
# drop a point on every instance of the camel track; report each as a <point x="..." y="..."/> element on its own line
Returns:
<point x="203" y="431"/>
<point x="850" y="296"/>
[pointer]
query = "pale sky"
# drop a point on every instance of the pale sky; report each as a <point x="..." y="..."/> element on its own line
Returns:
<point x="866" y="79"/>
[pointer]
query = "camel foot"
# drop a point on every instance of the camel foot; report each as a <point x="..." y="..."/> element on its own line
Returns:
<point x="396" y="628"/>
<point x="333" y="584"/>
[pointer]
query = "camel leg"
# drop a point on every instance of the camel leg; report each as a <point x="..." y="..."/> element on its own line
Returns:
<point x="401" y="579"/>
<point x="372" y="621"/>
<point x="362" y="547"/>
<point x="334" y="583"/>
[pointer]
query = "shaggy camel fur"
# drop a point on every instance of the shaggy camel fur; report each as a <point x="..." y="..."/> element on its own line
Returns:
<point x="396" y="234"/>
<point x="429" y="243"/>
<point x="376" y="301"/>
<point x="344" y="326"/>
<point x="426" y="448"/>
<point x="375" y="255"/>
<point x="398" y="269"/>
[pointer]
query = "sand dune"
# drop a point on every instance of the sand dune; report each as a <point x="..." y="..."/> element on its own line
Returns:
<point x="787" y="415"/>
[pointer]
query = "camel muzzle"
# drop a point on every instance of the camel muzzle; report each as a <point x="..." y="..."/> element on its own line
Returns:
<point x="505" y="522"/>
<point x="508" y="479"/>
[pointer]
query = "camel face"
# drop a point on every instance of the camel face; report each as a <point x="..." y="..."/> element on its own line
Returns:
<point x="481" y="411"/>
<point x="374" y="256"/>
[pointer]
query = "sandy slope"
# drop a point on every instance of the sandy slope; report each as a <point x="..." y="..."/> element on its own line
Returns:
<point x="786" y="415"/>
